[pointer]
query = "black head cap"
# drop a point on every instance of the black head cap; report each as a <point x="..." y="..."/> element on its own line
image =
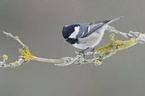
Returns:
<point x="68" y="30"/>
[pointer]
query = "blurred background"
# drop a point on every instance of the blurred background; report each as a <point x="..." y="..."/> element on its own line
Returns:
<point x="38" y="23"/>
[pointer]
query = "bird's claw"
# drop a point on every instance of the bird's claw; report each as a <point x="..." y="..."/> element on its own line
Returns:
<point x="82" y="53"/>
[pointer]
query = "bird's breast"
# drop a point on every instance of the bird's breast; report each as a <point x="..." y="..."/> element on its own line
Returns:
<point x="90" y="41"/>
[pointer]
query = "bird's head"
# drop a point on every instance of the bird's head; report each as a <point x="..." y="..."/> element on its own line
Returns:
<point x="70" y="33"/>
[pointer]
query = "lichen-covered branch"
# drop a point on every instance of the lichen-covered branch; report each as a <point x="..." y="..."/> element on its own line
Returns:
<point x="98" y="56"/>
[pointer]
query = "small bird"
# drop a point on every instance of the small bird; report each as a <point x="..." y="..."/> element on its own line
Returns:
<point x="86" y="35"/>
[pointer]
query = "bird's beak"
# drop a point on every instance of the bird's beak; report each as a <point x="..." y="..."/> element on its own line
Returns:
<point x="65" y="40"/>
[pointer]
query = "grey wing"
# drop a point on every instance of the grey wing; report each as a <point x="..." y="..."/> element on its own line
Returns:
<point x="92" y="27"/>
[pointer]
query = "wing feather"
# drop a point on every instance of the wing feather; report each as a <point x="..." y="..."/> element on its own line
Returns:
<point x="92" y="27"/>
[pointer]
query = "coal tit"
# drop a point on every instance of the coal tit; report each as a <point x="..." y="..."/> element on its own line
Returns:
<point x="85" y="35"/>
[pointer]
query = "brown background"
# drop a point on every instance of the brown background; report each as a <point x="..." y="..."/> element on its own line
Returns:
<point x="38" y="23"/>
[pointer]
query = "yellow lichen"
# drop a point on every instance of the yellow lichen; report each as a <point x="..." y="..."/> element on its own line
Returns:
<point x="107" y="47"/>
<point x="26" y="54"/>
<point x="16" y="37"/>
<point x="22" y="51"/>
<point x="119" y="42"/>
<point x="5" y="56"/>
<point x="14" y="64"/>
<point x="129" y="42"/>
<point x="8" y="33"/>
<point x="98" y="62"/>
<point x="115" y="45"/>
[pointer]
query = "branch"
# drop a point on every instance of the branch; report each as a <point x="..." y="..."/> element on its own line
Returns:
<point x="101" y="53"/>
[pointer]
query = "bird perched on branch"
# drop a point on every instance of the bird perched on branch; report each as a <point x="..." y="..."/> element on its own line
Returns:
<point x="86" y="35"/>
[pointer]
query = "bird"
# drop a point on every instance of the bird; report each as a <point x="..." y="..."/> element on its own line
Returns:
<point x="86" y="35"/>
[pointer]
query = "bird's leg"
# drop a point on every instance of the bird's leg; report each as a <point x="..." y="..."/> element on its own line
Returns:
<point x="100" y="58"/>
<point x="93" y="49"/>
<point x="83" y="51"/>
<point x="93" y="52"/>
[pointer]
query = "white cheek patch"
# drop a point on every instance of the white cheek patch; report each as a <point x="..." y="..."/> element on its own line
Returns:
<point x="75" y="33"/>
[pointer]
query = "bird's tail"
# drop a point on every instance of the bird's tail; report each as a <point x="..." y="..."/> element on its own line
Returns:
<point x="114" y="19"/>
